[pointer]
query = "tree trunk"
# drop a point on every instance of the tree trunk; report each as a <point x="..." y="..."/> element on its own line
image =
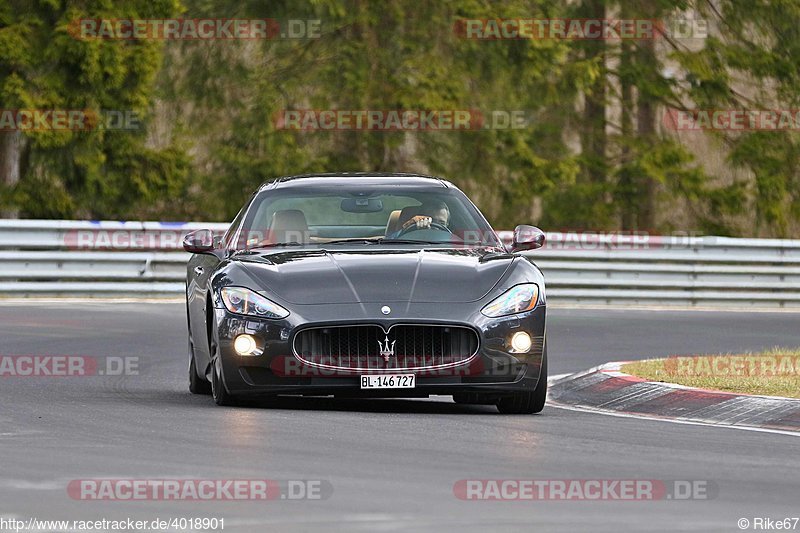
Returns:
<point x="594" y="141"/>
<point x="626" y="187"/>
<point x="646" y="130"/>
<point x="11" y="145"/>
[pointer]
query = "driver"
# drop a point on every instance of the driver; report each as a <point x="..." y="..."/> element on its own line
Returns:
<point x="435" y="212"/>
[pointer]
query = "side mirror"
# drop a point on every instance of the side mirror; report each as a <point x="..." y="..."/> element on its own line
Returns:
<point x="527" y="238"/>
<point x="199" y="241"/>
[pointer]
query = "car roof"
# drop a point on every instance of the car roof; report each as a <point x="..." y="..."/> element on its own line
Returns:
<point x="355" y="178"/>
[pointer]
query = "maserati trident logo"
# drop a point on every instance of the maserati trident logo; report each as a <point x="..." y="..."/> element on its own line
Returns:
<point x="387" y="350"/>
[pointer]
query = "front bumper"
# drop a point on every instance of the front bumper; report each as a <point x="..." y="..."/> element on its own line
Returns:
<point x="493" y="369"/>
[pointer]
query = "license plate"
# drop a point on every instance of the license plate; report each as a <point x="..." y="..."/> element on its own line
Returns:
<point x="388" y="381"/>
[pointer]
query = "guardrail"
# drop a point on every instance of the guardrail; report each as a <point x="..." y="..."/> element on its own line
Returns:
<point x="82" y="258"/>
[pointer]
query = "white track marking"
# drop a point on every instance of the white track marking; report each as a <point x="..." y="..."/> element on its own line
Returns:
<point x="103" y="300"/>
<point x="671" y="420"/>
<point x="709" y="309"/>
<point x="612" y="368"/>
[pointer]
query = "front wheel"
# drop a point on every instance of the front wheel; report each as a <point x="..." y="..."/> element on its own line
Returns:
<point x="525" y="403"/>
<point x="218" y="391"/>
<point x="197" y="385"/>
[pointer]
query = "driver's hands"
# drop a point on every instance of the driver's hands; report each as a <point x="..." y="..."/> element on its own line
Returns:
<point x="421" y="221"/>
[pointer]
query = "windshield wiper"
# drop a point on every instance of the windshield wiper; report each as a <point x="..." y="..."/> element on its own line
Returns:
<point x="277" y="244"/>
<point x="358" y="240"/>
<point x="411" y="241"/>
<point x="382" y="240"/>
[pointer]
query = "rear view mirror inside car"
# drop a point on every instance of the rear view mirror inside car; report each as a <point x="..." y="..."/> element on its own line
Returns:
<point x="362" y="205"/>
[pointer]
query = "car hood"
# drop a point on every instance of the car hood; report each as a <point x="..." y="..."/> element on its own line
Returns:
<point x="361" y="276"/>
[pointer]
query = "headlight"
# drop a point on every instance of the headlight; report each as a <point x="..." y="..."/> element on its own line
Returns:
<point x="515" y="300"/>
<point x="247" y="302"/>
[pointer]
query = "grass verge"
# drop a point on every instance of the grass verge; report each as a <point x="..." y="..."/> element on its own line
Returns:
<point x="775" y="372"/>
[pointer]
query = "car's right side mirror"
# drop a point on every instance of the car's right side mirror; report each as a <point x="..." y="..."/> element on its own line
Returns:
<point x="527" y="238"/>
<point x="199" y="241"/>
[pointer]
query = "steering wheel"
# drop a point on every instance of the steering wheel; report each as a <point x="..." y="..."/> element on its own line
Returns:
<point x="434" y="225"/>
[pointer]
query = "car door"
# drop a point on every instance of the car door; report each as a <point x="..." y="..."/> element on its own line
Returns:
<point x="199" y="270"/>
<point x="198" y="274"/>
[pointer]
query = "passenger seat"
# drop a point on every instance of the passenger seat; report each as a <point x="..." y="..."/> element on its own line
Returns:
<point x="289" y="225"/>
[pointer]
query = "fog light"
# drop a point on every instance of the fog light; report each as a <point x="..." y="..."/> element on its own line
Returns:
<point x="246" y="345"/>
<point x="521" y="342"/>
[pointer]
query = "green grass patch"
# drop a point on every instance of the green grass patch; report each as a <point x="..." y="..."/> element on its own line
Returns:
<point x="775" y="372"/>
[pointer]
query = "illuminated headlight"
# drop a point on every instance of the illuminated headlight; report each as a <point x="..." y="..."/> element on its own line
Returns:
<point x="515" y="300"/>
<point x="246" y="302"/>
<point x="521" y="342"/>
<point x="246" y="345"/>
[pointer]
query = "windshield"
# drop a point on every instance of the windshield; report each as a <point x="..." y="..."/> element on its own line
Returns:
<point x="390" y="215"/>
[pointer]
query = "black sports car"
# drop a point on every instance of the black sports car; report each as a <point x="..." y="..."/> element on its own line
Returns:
<point x="375" y="285"/>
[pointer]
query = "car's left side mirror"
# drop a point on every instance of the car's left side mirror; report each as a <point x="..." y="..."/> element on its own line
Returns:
<point x="527" y="238"/>
<point x="199" y="241"/>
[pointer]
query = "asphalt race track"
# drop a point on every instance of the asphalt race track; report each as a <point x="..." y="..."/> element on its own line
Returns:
<point x="392" y="463"/>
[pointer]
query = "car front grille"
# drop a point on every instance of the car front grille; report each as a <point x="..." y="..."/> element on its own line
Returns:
<point x="365" y="347"/>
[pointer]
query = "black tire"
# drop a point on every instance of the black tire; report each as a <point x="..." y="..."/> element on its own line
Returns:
<point x="526" y="403"/>
<point x="218" y="391"/>
<point x="197" y="384"/>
